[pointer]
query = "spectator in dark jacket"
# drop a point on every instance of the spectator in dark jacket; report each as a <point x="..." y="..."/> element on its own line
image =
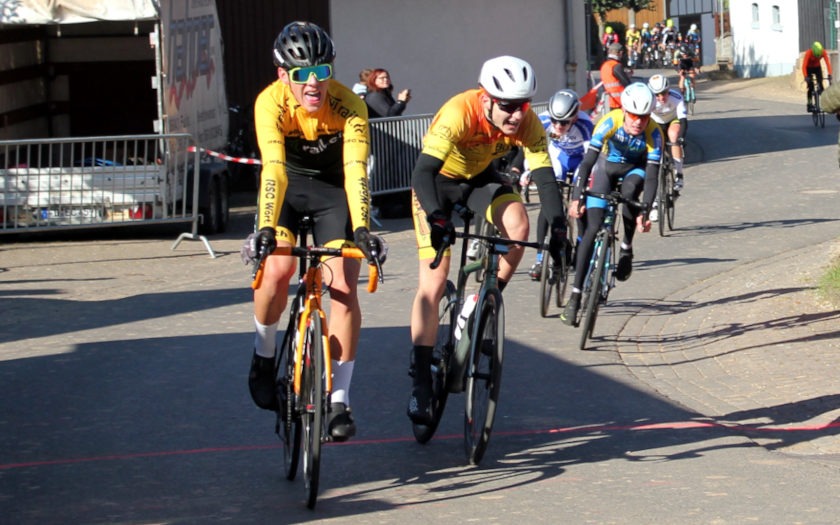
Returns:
<point x="380" y="98"/>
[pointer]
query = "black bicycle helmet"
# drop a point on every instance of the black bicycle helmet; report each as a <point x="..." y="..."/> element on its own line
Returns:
<point x="302" y="44"/>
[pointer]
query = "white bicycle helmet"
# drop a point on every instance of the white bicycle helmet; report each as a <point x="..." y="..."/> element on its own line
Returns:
<point x="508" y="78"/>
<point x="637" y="99"/>
<point x="563" y="105"/>
<point x="658" y="84"/>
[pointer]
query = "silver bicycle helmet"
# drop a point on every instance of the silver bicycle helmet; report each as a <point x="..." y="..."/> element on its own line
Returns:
<point x="637" y="99"/>
<point x="508" y="78"/>
<point x="563" y="105"/>
<point x="302" y="44"/>
<point x="658" y="84"/>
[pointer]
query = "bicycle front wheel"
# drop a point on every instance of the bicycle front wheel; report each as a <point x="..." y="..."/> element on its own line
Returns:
<point x="313" y="406"/>
<point x="593" y="298"/>
<point x="671" y="198"/>
<point x="484" y="377"/>
<point x="447" y="316"/>
<point x="545" y="284"/>
<point x="662" y="197"/>
<point x="288" y="426"/>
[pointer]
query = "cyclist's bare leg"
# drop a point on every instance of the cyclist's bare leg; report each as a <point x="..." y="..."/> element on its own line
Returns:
<point x="676" y="150"/>
<point x="424" y="311"/>
<point x="345" y="319"/>
<point x="511" y="219"/>
<point x="271" y="297"/>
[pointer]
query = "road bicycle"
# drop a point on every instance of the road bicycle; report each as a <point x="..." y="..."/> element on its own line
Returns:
<point x="600" y="274"/>
<point x="666" y="197"/>
<point x="814" y="93"/>
<point x="302" y="363"/>
<point x="473" y="362"/>
<point x="555" y="277"/>
<point x="478" y="249"/>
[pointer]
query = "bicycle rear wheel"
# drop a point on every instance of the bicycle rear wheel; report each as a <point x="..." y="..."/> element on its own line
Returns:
<point x="288" y="427"/>
<point x="313" y="406"/>
<point x="592" y="295"/>
<point x="447" y="315"/>
<point x="485" y="376"/>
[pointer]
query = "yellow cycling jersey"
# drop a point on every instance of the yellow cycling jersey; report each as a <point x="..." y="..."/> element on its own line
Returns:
<point x="332" y="144"/>
<point x="461" y="136"/>
<point x="631" y="37"/>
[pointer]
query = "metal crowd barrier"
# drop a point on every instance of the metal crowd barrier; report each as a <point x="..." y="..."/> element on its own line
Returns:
<point x="92" y="182"/>
<point x="395" y="144"/>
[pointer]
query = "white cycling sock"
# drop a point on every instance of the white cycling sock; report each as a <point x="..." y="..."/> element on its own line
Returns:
<point x="342" y="372"/>
<point x="625" y="246"/>
<point x="265" y="338"/>
<point x="678" y="165"/>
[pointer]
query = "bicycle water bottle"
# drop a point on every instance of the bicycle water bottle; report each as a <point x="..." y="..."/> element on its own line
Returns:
<point x="464" y="316"/>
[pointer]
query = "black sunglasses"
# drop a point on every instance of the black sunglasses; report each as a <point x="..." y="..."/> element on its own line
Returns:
<point x="561" y="122"/>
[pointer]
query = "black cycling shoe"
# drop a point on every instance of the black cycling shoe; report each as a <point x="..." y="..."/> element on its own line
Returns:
<point x="569" y="315"/>
<point x="625" y="265"/>
<point x="420" y="405"/>
<point x="341" y="425"/>
<point x="261" y="382"/>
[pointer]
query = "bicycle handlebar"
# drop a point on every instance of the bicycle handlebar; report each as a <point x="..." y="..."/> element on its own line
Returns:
<point x="374" y="268"/>
<point x="615" y="197"/>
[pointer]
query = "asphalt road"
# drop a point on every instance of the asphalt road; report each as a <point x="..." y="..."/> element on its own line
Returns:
<point x="123" y="366"/>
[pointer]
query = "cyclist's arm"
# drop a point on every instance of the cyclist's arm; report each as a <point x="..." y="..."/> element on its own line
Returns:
<point x="271" y="141"/>
<point x="806" y="59"/>
<point x="423" y="182"/>
<point x="827" y="65"/>
<point x="356" y="150"/>
<point x="621" y="75"/>
<point x="585" y="170"/>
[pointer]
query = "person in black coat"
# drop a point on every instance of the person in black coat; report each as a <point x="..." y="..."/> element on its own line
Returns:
<point x="380" y="99"/>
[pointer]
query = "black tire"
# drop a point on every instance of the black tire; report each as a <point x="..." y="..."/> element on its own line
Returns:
<point x="224" y="203"/>
<point x="313" y="407"/>
<point x="545" y="284"/>
<point x="671" y="200"/>
<point x="485" y="377"/>
<point x="211" y="222"/>
<point x="288" y="426"/>
<point x="592" y="296"/>
<point x="822" y="119"/>
<point x="662" y="196"/>
<point x="447" y="316"/>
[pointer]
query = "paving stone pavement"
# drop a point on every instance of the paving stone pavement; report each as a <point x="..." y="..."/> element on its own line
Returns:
<point x="755" y="348"/>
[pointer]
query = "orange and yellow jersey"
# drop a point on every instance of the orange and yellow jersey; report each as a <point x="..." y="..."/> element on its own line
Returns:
<point x="461" y="136"/>
<point x="331" y="144"/>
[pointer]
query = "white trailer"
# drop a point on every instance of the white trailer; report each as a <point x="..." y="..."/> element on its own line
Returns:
<point x="105" y="106"/>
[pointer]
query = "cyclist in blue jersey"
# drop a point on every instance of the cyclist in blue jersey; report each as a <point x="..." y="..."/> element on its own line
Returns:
<point x="568" y="130"/>
<point x="625" y="150"/>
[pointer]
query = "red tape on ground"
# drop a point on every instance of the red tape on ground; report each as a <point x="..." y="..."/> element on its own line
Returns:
<point x="241" y="160"/>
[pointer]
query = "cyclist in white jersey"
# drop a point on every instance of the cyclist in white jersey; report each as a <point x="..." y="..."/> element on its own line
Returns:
<point x="669" y="111"/>
<point x="568" y="131"/>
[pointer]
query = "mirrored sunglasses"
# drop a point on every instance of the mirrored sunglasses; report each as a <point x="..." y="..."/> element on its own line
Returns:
<point x="632" y="117"/>
<point x="300" y="75"/>
<point x="512" y="106"/>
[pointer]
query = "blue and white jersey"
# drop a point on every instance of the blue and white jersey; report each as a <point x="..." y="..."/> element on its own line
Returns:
<point x="671" y="109"/>
<point x="566" y="151"/>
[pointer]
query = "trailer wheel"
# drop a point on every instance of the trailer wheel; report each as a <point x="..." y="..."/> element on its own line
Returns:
<point x="212" y="213"/>
<point x="224" y="203"/>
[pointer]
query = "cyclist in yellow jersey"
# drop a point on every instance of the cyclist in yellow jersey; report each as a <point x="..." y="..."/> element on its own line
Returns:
<point x="471" y="130"/>
<point x="633" y="39"/>
<point x="314" y="142"/>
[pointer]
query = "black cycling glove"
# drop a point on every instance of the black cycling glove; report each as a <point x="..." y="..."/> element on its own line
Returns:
<point x="370" y="244"/>
<point x="442" y="230"/>
<point x="266" y="241"/>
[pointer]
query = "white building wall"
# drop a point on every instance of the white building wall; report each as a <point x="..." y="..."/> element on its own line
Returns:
<point x="762" y="48"/>
<point x="436" y="47"/>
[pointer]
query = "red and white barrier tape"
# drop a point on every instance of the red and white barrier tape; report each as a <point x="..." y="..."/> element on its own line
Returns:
<point x="241" y="160"/>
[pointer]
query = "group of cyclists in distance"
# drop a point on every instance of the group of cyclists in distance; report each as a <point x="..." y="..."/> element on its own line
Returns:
<point x="314" y="140"/>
